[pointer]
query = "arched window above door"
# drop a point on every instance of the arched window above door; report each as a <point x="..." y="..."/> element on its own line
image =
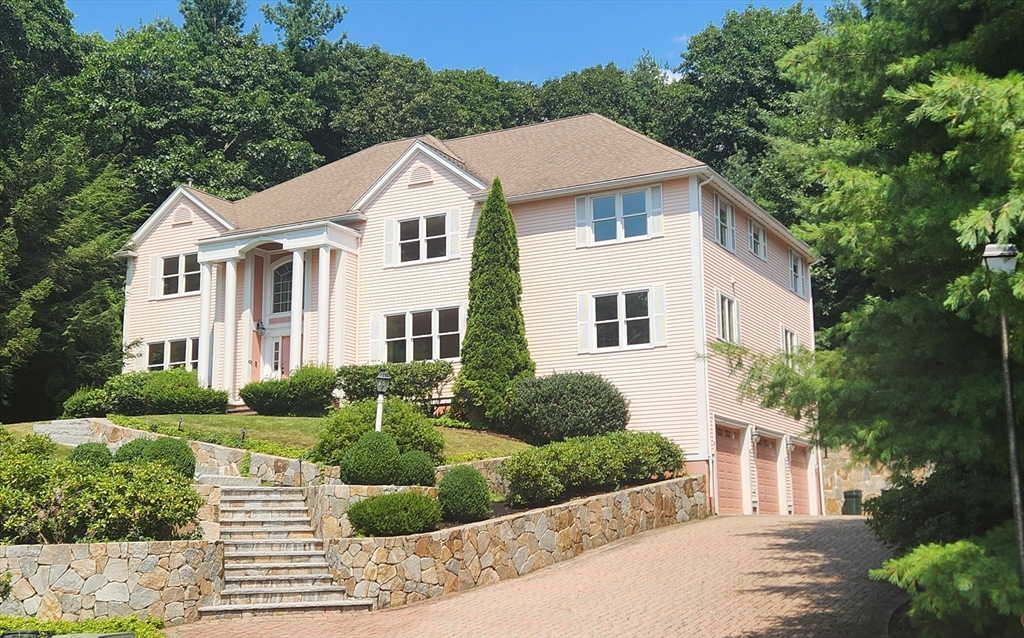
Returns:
<point x="282" y="293"/>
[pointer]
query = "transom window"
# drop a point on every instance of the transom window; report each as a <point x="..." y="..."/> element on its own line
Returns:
<point x="728" y="319"/>
<point x="796" y="273"/>
<point x="725" y="223"/>
<point x="622" y="319"/>
<point x="282" y="289"/>
<point x="178" y="353"/>
<point x="180" y="274"/>
<point x="423" y="335"/>
<point x="619" y="216"/>
<point x="422" y="238"/>
<point x="758" y="239"/>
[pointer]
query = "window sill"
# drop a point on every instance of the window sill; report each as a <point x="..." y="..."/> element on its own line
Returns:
<point x="615" y="242"/>
<point x="420" y="262"/>
<point x="644" y="346"/>
<point x="178" y="295"/>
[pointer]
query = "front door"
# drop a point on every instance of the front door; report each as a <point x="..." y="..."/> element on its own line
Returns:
<point x="273" y="354"/>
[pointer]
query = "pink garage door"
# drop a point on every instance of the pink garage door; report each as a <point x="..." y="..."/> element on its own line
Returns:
<point x="729" y="442"/>
<point x="801" y="487"/>
<point x="767" y="476"/>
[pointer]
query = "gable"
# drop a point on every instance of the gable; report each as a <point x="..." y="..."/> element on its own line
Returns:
<point x="420" y="158"/>
<point x="183" y="212"/>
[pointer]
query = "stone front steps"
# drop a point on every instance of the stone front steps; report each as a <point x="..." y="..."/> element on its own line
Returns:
<point x="272" y="562"/>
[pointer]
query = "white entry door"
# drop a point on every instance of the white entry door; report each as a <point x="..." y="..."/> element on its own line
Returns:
<point x="273" y="357"/>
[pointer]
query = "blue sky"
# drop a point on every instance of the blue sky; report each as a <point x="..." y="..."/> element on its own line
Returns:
<point x="526" y="40"/>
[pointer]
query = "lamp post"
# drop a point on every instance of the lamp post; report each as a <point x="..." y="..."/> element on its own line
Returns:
<point x="383" y="380"/>
<point x="1002" y="258"/>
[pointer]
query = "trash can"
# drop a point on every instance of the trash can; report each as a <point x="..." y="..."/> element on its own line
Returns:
<point x="851" y="502"/>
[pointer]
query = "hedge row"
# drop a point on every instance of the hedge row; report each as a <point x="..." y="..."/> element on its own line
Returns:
<point x="309" y="391"/>
<point x="173" y="391"/>
<point x="419" y="381"/>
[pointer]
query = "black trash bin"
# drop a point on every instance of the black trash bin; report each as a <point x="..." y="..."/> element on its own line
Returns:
<point x="851" y="502"/>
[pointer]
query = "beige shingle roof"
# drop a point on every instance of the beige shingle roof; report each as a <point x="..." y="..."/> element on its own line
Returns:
<point x="576" y="151"/>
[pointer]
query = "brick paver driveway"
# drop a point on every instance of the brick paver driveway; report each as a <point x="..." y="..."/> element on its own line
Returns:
<point x="727" y="576"/>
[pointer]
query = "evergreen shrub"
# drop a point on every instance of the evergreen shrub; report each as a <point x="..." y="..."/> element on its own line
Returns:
<point x="133" y="451"/>
<point x="311" y="390"/>
<point x="91" y="453"/>
<point x="148" y="628"/>
<point x="464" y="495"/>
<point x="34" y="445"/>
<point x="402" y="420"/>
<point x="174" y="391"/>
<point x="416" y="468"/>
<point x="565" y="405"/>
<point x="395" y="514"/>
<point x="85" y="403"/>
<point x="372" y="460"/>
<point x="420" y="382"/>
<point x="174" y="453"/>
<point x="269" y="398"/>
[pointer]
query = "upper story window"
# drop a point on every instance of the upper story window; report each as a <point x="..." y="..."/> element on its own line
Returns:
<point x="179" y="353"/>
<point x="725" y="223"/>
<point x="282" y="289"/>
<point x="796" y="273"/>
<point x="615" y="217"/>
<point x="790" y="342"/>
<point x="728" y="319"/>
<point x="622" y="320"/>
<point x="423" y="335"/>
<point x="758" y="239"/>
<point x="180" y="274"/>
<point x="433" y="237"/>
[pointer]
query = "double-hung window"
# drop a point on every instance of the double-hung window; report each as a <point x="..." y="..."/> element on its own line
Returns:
<point x="179" y="274"/>
<point x="797" y="273"/>
<point x="422" y="335"/>
<point x="790" y="343"/>
<point x="758" y="239"/>
<point x="281" y="292"/>
<point x="622" y="320"/>
<point x="175" y="353"/>
<point x="725" y="223"/>
<point x="422" y="238"/>
<point x="615" y="217"/>
<point x="728" y="319"/>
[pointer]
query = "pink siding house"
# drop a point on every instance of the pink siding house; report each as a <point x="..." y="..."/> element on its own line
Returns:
<point x="634" y="257"/>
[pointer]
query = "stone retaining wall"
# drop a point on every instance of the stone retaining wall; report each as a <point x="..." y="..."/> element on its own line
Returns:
<point x="403" y="569"/>
<point x="488" y="467"/>
<point x="841" y="473"/>
<point x="161" y="579"/>
<point x="328" y="504"/>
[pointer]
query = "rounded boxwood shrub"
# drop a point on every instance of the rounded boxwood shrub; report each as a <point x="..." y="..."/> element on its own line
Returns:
<point x="91" y="453"/>
<point x="563" y="406"/>
<point x="85" y="403"/>
<point x="310" y="390"/>
<point x="464" y="495"/>
<point x="395" y="514"/>
<point x="416" y="468"/>
<point x="173" y="452"/>
<point x="132" y="452"/>
<point x="410" y="429"/>
<point x="268" y="398"/>
<point x="373" y="460"/>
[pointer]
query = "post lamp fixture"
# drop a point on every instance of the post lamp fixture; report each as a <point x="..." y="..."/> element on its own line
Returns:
<point x="383" y="381"/>
<point x="790" y="446"/>
<point x="1002" y="259"/>
<point x="261" y="329"/>
<point x="755" y="438"/>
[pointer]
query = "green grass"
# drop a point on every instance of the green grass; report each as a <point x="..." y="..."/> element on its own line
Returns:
<point x="24" y="429"/>
<point x="465" y="442"/>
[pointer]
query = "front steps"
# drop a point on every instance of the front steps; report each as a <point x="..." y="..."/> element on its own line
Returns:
<point x="272" y="562"/>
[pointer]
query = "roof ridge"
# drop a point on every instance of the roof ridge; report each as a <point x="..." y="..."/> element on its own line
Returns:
<point x="199" y="190"/>
<point x="519" y="127"/>
<point x="647" y="139"/>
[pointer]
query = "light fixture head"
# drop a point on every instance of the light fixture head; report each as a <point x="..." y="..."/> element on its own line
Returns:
<point x="1001" y="258"/>
<point x="755" y="438"/>
<point x="790" y="447"/>
<point x="383" y="381"/>
<point x="260" y="328"/>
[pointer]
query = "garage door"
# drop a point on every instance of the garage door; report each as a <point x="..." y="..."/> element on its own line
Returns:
<point x="729" y="442"/>
<point x="767" y="476"/>
<point x="801" y="487"/>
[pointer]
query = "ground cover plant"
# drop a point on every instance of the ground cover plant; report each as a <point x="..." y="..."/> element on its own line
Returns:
<point x="148" y="628"/>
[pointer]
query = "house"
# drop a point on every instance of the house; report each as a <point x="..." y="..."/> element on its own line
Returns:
<point x="634" y="257"/>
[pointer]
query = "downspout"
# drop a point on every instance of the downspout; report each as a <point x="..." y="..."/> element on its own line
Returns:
<point x="712" y="454"/>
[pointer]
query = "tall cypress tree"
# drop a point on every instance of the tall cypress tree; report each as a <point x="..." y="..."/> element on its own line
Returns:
<point x="494" y="351"/>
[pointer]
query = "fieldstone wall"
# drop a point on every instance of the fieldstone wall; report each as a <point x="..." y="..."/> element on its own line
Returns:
<point x="209" y="511"/>
<point x="841" y="473"/>
<point x="488" y="467"/>
<point x="328" y="504"/>
<point x="403" y="569"/>
<point x="282" y="471"/>
<point x="162" y="579"/>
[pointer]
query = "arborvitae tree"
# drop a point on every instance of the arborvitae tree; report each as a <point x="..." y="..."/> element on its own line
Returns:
<point x="494" y="351"/>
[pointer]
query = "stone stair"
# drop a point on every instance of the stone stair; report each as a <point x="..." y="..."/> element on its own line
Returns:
<point x="272" y="562"/>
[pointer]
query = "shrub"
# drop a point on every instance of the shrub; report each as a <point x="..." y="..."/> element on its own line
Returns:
<point x="532" y="481"/>
<point x="311" y="390"/>
<point x="33" y="444"/>
<point x="645" y="455"/>
<point x="91" y="453"/>
<point x="464" y="495"/>
<point x="446" y="421"/>
<point x="395" y="514"/>
<point x="187" y="400"/>
<point x="269" y="398"/>
<point x="174" y="453"/>
<point x="125" y="393"/>
<point x="148" y="628"/>
<point x="132" y="452"/>
<point x="174" y="391"/>
<point x="373" y="460"/>
<point x="85" y="403"/>
<point x="563" y="406"/>
<point x="965" y="588"/>
<point x="415" y="468"/>
<point x="343" y="427"/>
<point x="419" y="381"/>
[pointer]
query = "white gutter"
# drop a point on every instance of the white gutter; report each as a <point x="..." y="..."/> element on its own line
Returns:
<point x="597" y="186"/>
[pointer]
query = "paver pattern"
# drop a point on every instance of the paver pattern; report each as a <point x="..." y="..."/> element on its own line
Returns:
<point x="728" y="576"/>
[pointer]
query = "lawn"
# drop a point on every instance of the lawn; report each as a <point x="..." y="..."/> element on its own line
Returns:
<point x="24" y="429"/>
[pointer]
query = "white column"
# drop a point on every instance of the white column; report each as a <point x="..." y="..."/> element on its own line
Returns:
<point x="323" y="304"/>
<point x="205" y="324"/>
<point x="298" y="286"/>
<point x="230" y="323"/>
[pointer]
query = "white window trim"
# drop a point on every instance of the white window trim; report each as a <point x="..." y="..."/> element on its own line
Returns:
<point x="434" y="324"/>
<point x="735" y="323"/>
<point x="158" y="277"/>
<point x="268" y="286"/>
<point x="785" y="342"/>
<point x="729" y="241"/>
<point x="191" y="343"/>
<point x="797" y="273"/>
<point x="587" y="320"/>
<point x="751" y="226"/>
<point x="585" y="216"/>
<point x="393" y="242"/>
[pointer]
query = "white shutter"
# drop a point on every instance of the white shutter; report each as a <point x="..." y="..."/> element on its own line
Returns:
<point x="718" y="221"/>
<point x="452" y="222"/>
<point x="585" y="326"/>
<point x="731" y="219"/>
<point x="657" y="219"/>
<point x="376" y="337"/>
<point x="582" y="230"/>
<point x="155" y="282"/>
<point x="658" y="316"/>
<point x="390" y="242"/>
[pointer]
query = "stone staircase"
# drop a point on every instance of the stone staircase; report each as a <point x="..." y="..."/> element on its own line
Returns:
<point x="272" y="562"/>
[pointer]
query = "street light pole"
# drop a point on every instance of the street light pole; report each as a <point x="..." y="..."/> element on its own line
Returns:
<point x="1003" y="258"/>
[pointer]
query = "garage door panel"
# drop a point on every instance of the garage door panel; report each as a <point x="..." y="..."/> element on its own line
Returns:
<point x="767" y="476"/>
<point x="729" y="444"/>
<point x="801" y="487"/>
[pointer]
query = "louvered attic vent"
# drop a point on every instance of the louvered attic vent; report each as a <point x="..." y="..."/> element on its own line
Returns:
<point x="182" y="215"/>
<point x="420" y="175"/>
